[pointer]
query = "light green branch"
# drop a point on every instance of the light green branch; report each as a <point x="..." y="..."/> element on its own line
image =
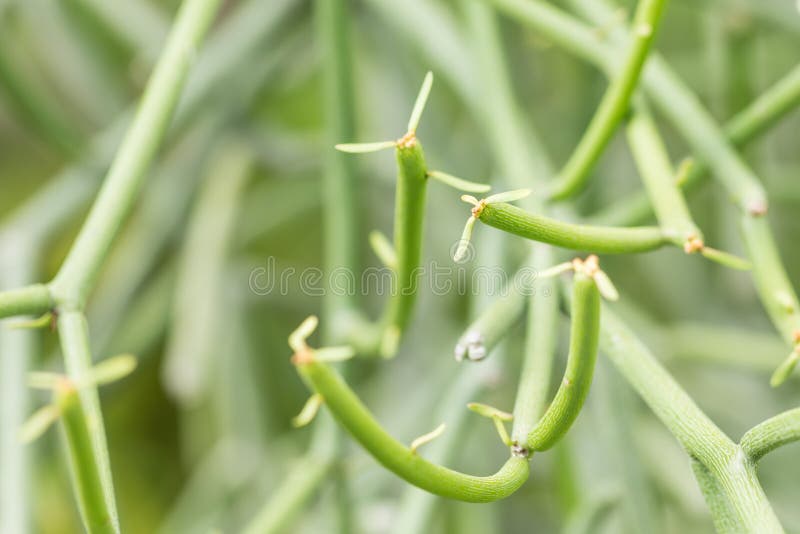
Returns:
<point x="725" y="521"/>
<point x="775" y="432"/>
<point x="573" y="177"/>
<point x="30" y="300"/>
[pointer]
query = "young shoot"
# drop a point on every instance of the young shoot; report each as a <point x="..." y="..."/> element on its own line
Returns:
<point x="498" y="417"/>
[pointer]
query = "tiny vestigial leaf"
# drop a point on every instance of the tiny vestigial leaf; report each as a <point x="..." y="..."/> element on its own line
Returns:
<point x="334" y="354"/>
<point x="489" y="411"/>
<point x="726" y="259"/>
<point x="463" y="244"/>
<point x="427" y="438"/>
<point x="419" y="105"/>
<point x="39" y="422"/>
<point x="38" y="322"/>
<point x="683" y="171"/>
<point x="605" y="286"/>
<point x="469" y="199"/>
<point x="365" y="148"/>
<point x="297" y="339"/>
<point x="508" y="196"/>
<point x="501" y="431"/>
<point x="390" y="341"/>
<point x="459" y="183"/>
<point x="555" y="270"/>
<point x="309" y="411"/>
<point x="784" y="370"/>
<point x="44" y="380"/>
<point x="112" y="369"/>
<point x="383" y="249"/>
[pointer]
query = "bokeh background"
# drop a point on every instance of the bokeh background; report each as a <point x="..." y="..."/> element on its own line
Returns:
<point x="200" y="435"/>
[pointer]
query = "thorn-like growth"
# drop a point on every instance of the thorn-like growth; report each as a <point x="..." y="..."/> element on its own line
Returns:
<point x="419" y="105"/>
<point x="309" y="411"/>
<point x="426" y="438"/>
<point x="459" y="183"/>
<point x="498" y="417"/>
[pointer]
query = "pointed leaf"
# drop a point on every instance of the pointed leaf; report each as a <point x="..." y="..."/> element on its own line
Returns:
<point x="459" y="183"/>
<point x="365" y="148"/>
<point x="383" y="249"/>
<point x="334" y="354"/>
<point x="419" y="105"/>
<point x="605" y="286"/>
<point x="555" y="270"/>
<point x="784" y="370"/>
<point x="501" y="431"/>
<point x="427" y="438"/>
<point x="39" y="422"/>
<point x="489" y="411"/>
<point x="508" y="196"/>
<point x="111" y="370"/>
<point x="309" y="411"/>
<point x="726" y="259"/>
<point x="44" y="380"/>
<point x="39" y="322"/>
<point x="684" y="170"/>
<point x="469" y="199"/>
<point x="297" y="339"/>
<point x="463" y="244"/>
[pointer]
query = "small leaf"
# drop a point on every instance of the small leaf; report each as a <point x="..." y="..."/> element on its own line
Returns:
<point x="508" y="196"/>
<point x="463" y="244"/>
<point x="39" y="322"/>
<point x="684" y="170"/>
<point x="555" y="270"/>
<point x="726" y="259"/>
<point x="111" y="370"/>
<point x="459" y="183"/>
<point x="489" y="411"/>
<point x="334" y="354"/>
<point x="605" y="286"/>
<point x="39" y="422"/>
<point x="365" y="148"/>
<point x="784" y="370"/>
<point x="427" y="438"/>
<point x="309" y="411"/>
<point x="383" y="249"/>
<point x="297" y="339"/>
<point x="419" y="105"/>
<point x="469" y="199"/>
<point x="43" y="380"/>
<point x="501" y="431"/>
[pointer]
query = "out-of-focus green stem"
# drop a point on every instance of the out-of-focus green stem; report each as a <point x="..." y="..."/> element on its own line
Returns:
<point x="356" y="418"/>
<point x="604" y="240"/>
<point x="775" y="432"/>
<point x="79" y="271"/>
<point x="574" y="387"/>
<point x="30" y="300"/>
<point x="573" y="177"/>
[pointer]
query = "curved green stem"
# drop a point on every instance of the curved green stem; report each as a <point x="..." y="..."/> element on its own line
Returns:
<point x="604" y="240"/>
<point x="573" y="177"/>
<point x="79" y="271"/>
<point x="775" y="432"/>
<point x="30" y="300"/>
<point x="577" y="380"/>
<point x="356" y="418"/>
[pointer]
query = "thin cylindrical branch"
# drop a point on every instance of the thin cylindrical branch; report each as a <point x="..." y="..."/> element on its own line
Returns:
<point x="574" y="387"/>
<point x="348" y="409"/>
<point x="91" y="462"/>
<point x="409" y="215"/>
<point x="656" y="172"/>
<point x="79" y="271"/>
<point x="98" y="517"/>
<point x="775" y="432"/>
<point x="614" y="104"/>
<point x="725" y="521"/>
<point x="600" y="239"/>
<point x="491" y="326"/>
<point x="30" y="300"/>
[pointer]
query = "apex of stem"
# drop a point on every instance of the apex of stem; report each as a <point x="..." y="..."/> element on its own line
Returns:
<point x="304" y="354"/>
<point x="694" y="244"/>
<point x="477" y="208"/>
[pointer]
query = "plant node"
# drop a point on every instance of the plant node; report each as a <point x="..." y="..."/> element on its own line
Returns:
<point x="693" y="244"/>
<point x="409" y="140"/>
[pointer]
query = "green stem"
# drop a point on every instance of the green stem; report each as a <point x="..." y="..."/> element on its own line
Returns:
<point x="89" y="459"/>
<point x="658" y="176"/>
<point x="599" y="239"/>
<point x="87" y="476"/>
<point x="775" y="432"/>
<point x="573" y="177"/>
<point x="725" y="521"/>
<point x="577" y="380"/>
<point x="30" y="300"/>
<point x="356" y="418"/>
<point x="79" y="271"/>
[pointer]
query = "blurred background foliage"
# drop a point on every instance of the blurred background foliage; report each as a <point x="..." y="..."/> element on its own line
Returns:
<point x="200" y="435"/>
